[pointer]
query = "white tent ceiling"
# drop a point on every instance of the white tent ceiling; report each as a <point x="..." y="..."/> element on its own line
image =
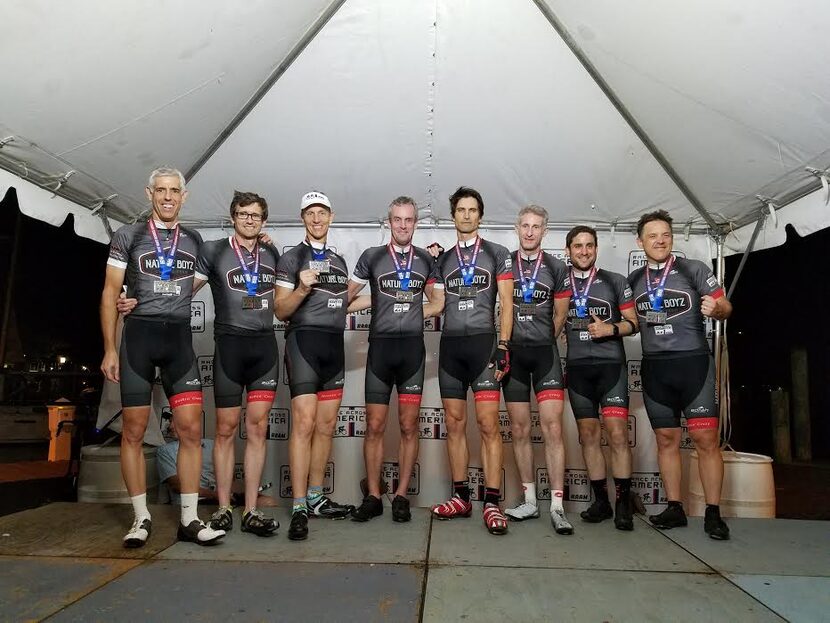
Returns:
<point x="598" y="110"/>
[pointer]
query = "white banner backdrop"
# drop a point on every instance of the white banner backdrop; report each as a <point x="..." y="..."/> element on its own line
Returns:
<point x="430" y="482"/>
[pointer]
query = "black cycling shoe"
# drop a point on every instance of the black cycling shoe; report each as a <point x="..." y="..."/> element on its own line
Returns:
<point x="400" y="509"/>
<point x="298" y="529"/>
<point x="222" y="519"/>
<point x="714" y="526"/>
<point x="198" y="532"/>
<point x="599" y="511"/>
<point x="256" y="522"/>
<point x="371" y="507"/>
<point x="672" y="517"/>
<point x="624" y="514"/>
<point x="324" y="507"/>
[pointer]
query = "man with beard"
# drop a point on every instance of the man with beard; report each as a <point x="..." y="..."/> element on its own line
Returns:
<point x="471" y="355"/>
<point x="156" y="259"/>
<point x="601" y="312"/>
<point x="540" y="304"/>
<point x="312" y="294"/>
<point x="672" y="295"/>
<point x="398" y="274"/>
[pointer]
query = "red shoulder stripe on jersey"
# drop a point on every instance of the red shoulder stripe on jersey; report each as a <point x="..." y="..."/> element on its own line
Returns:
<point x="628" y="305"/>
<point x="431" y="280"/>
<point x="563" y="295"/>
<point x="718" y="293"/>
<point x="504" y="276"/>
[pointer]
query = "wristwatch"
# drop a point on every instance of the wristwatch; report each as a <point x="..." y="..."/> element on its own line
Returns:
<point x="505" y="343"/>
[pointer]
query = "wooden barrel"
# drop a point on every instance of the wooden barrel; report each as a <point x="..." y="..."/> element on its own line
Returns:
<point x="100" y="480"/>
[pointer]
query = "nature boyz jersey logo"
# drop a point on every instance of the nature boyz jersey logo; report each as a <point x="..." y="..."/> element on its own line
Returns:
<point x="431" y="424"/>
<point x="278" y="425"/>
<point x="649" y="486"/>
<point x="184" y="265"/>
<point x="482" y="279"/>
<point x="334" y="282"/>
<point x="477" y="484"/>
<point x="389" y="284"/>
<point x="676" y="303"/>
<point x="285" y="481"/>
<point x="235" y="279"/>
<point x="351" y="422"/>
<point x="596" y="307"/>
<point x="390" y="474"/>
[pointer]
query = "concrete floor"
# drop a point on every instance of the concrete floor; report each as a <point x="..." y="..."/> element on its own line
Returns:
<point x="64" y="562"/>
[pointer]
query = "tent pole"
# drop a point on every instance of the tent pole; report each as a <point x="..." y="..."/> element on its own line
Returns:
<point x="720" y="269"/>
<point x="759" y="224"/>
<point x="292" y="55"/>
<point x="7" y="302"/>
<point x="577" y="51"/>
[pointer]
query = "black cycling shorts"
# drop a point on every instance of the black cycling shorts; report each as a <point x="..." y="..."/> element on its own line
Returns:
<point x="395" y="362"/>
<point x="145" y="345"/>
<point x="598" y="386"/>
<point x="315" y="363"/>
<point x="676" y="385"/>
<point x="534" y="366"/>
<point x="463" y="362"/>
<point x="245" y="362"/>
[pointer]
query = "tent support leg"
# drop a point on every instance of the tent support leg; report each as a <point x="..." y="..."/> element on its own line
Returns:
<point x="759" y="224"/>
<point x="7" y="302"/>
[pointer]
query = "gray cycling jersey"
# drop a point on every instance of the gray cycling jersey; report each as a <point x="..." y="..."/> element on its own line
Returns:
<point x="535" y="325"/>
<point x="470" y="310"/>
<point x="324" y="309"/>
<point x="683" y="332"/>
<point x="395" y="312"/>
<point x="608" y="295"/>
<point x="132" y="249"/>
<point x="219" y="265"/>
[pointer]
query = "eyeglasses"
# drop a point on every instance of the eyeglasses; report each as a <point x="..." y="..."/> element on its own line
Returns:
<point x="244" y="216"/>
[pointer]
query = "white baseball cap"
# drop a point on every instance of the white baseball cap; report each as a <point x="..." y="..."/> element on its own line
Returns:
<point x="314" y="198"/>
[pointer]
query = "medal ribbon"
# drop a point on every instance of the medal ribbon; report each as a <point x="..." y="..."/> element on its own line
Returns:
<point x="528" y="286"/>
<point x="404" y="275"/>
<point x="655" y="295"/>
<point x="165" y="261"/>
<point x="251" y="276"/>
<point x="468" y="270"/>
<point x="581" y="301"/>
<point x="320" y="255"/>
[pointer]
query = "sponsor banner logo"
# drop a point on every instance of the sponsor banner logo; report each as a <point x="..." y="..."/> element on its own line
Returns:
<point x="279" y="325"/>
<point x="285" y="481"/>
<point x="559" y="254"/>
<point x="351" y="422"/>
<point x="197" y="316"/>
<point x="686" y="442"/>
<point x="359" y="321"/>
<point x="432" y="324"/>
<point x="432" y="424"/>
<point x="205" y="363"/>
<point x="278" y="425"/>
<point x="389" y="473"/>
<point x="649" y="486"/>
<point x="535" y="428"/>
<point x="183" y="266"/>
<point x="504" y="427"/>
<point x="577" y="485"/>
<point x="239" y="471"/>
<point x="635" y="377"/>
<point x="637" y="259"/>
<point x="632" y="432"/>
<point x="475" y="476"/>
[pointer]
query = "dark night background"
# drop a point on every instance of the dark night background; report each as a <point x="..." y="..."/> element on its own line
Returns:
<point x="59" y="278"/>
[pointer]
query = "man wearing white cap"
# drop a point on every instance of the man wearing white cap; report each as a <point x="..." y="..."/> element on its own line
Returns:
<point x="312" y="295"/>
